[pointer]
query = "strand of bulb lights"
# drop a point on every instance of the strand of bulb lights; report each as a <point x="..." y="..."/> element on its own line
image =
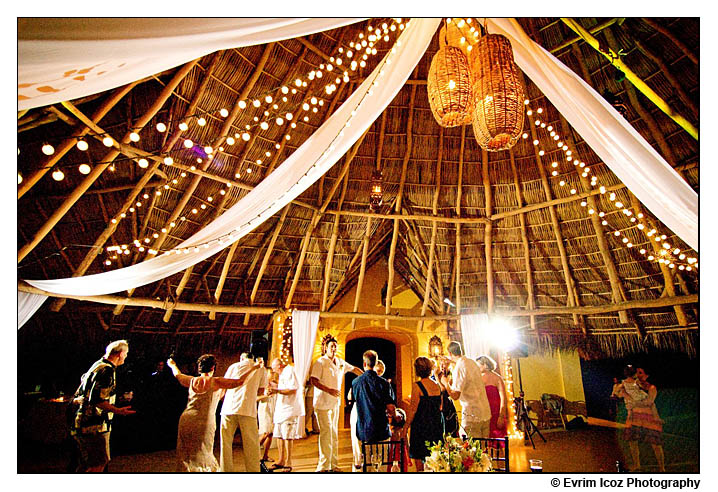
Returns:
<point x="124" y="249"/>
<point x="363" y="41"/>
<point x="667" y="248"/>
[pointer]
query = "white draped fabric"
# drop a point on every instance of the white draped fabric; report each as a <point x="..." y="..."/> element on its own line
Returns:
<point x="60" y="59"/>
<point x="304" y="336"/>
<point x="299" y="171"/>
<point x="27" y="304"/>
<point x="474" y="332"/>
<point x="654" y="182"/>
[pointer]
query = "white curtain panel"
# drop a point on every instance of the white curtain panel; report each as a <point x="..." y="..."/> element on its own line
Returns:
<point x="299" y="171"/>
<point x="60" y="59"/>
<point x="474" y="331"/>
<point x="304" y="336"/>
<point x="27" y="304"/>
<point x="654" y="182"/>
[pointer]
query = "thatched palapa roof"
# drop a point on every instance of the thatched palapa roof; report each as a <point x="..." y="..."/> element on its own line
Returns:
<point x="507" y="236"/>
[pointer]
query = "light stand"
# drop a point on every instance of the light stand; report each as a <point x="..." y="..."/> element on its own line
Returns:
<point x="523" y="421"/>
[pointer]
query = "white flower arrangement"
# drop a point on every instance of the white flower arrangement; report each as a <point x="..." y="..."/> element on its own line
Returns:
<point x="457" y="455"/>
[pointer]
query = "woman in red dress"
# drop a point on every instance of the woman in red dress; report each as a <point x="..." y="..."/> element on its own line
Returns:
<point x="496" y="392"/>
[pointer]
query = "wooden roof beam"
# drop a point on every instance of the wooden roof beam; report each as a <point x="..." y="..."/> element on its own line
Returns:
<point x="681" y="46"/>
<point x="615" y="60"/>
<point x="530" y="297"/>
<point x="397" y="204"/>
<point x="203" y="307"/>
<point x="64" y="147"/>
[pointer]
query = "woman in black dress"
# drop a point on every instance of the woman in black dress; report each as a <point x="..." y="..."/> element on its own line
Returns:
<point x="424" y="416"/>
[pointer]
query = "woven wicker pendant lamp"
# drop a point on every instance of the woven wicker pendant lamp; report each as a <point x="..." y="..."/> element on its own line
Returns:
<point x="498" y="94"/>
<point x="449" y="87"/>
<point x="462" y="37"/>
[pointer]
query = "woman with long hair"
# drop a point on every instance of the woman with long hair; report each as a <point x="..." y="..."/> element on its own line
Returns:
<point x="197" y="424"/>
<point x="643" y="423"/>
<point x="496" y="393"/>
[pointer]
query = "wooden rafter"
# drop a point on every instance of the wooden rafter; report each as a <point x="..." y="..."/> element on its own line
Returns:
<point x="397" y="204"/>
<point x="615" y="60"/>
<point x="67" y="144"/>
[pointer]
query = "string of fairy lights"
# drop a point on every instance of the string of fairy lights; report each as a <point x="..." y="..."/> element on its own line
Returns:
<point x="116" y="250"/>
<point x="285" y="336"/>
<point x="512" y="424"/>
<point x="673" y="257"/>
<point x="351" y="57"/>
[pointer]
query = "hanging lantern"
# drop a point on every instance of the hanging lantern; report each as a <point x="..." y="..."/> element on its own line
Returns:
<point x="449" y="87"/>
<point x="376" y="196"/>
<point x="498" y="94"/>
<point x="436" y="348"/>
<point x="462" y="37"/>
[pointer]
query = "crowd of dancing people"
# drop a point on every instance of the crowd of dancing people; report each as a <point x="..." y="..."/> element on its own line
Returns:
<point x="266" y="403"/>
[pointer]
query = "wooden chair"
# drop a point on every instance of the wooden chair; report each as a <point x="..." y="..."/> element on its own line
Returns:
<point x="498" y="450"/>
<point x="575" y="408"/>
<point x="388" y="452"/>
<point x="536" y="406"/>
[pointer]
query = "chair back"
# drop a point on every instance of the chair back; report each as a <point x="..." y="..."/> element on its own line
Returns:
<point x="498" y="450"/>
<point x="385" y="452"/>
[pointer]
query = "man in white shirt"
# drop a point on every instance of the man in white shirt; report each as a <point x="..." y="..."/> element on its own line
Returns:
<point x="240" y="410"/>
<point x="327" y="375"/>
<point x="468" y="388"/>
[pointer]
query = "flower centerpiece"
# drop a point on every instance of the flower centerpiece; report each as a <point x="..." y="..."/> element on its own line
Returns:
<point x="457" y="455"/>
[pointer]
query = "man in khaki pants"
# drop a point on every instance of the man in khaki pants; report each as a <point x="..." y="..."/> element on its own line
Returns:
<point x="326" y="376"/>
<point x="240" y="410"/>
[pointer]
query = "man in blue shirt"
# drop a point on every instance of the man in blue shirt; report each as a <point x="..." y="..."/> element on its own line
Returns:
<point x="373" y="397"/>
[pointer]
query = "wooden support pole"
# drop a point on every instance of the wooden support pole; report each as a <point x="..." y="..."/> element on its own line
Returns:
<point x="332" y="244"/>
<point x="489" y="198"/>
<point x="316" y="217"/>
<point x="267" y="256"/>
<point x="617" y="292"/>
<point x="397" y="205"/>
<point x="615" y="60"/>
<point x="593" y="30"/>
<point x="572" y="296"/>
<point x="29" y="181"/>
<point x="682" y="46"/>
<point x="362" y="269"/>
<point x="668" y="280"/>
<point x="99" y="169"/>
<point x="178" y="291"/>
<point x="673" y="80"/>
<point x="223" y="276"/>
<point x="531" y="299"/>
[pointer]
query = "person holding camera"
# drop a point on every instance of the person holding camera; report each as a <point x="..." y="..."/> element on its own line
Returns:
<point x="195" y="433"/>
<point x="239" y="410"/>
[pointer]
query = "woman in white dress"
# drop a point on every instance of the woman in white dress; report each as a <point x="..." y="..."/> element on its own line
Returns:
<point x="286" y="413"/>
<point x="197" y="425"/>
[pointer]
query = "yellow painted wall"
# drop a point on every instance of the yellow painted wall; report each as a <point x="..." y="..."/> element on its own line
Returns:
<point x="559" y="374"/>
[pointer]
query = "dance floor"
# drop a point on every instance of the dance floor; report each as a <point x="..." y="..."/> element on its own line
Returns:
<point x="593" y="449"/>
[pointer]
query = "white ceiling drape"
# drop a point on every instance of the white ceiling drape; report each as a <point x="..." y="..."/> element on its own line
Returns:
<point x="646" y="174"/>
<point x="60" y="59"/>
<point x="304" y="336"/>
<point x="628" y="155"/>
<point x="297" y="173"/>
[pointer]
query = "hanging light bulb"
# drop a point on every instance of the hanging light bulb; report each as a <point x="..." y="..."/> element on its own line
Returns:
<point x="82" y="145"/>
<point x="58" y="175"/>
<point x="84" y="169"/>
<point x="183" y="126"/>
<point x="134" y="136"/>
<point x="143" y="163"/>
<point x="188" y="143"/>
<point x="223" y="113"/>
<point x="161" y="127"/>
<point x="107" y="141"/>
<point x="48" y="149"/>
<point x="201" y="122"/>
